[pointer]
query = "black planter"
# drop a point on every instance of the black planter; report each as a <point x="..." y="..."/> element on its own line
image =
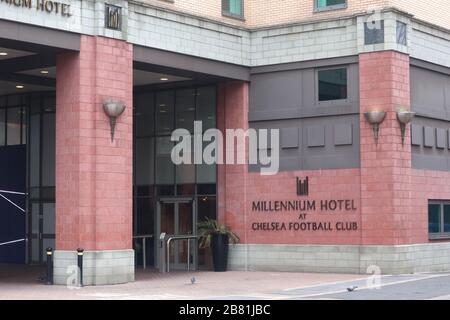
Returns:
<point x="219" y="248"/>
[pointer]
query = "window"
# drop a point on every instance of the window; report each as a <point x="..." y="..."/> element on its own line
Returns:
<point x="13" y="126"/>
<point x="233" y="8"/>
<point x="321" y="5"/>
<point x="13" y="122"/>
<point x="401" y="33"/>
<point x="332" y="84"/>
<point x="113" y="15"/>
<point x="157" y="114"/>
<point x="439" y="220"/>
<point x="2" y="127"/>
<point x="374" y="32"/>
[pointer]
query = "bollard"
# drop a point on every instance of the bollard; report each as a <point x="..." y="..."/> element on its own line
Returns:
<point x="80" y="253"/>
<point x="162" y="252"/>
<point x="49" y="266"/>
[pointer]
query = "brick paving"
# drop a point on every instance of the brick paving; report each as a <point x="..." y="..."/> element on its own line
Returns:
<point x="25" y="282"/>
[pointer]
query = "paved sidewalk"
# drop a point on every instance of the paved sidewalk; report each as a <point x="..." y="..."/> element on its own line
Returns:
<point x="23" y="282"/>
<point x="401" y="287"/>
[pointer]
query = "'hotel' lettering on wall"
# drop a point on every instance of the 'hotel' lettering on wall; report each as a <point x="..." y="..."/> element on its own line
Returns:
<point x="47" y="6"/>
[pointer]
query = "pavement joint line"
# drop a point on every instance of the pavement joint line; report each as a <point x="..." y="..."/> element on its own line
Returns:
<point x="444" y="297"/>
<point x="265" y="296"/>
<point x="105" y="295"/>
<point x="229" y="295"/>
<point x="277" y="296"/>
<point x="325" y="284"/>
<point x="368" y="288"/>
<point x="155" y="297"/>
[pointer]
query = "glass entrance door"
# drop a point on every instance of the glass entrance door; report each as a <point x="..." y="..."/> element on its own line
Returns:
<point x="177" y="217"/>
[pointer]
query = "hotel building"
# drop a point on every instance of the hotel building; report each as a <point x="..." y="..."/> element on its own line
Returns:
<point x="359" y="92"/>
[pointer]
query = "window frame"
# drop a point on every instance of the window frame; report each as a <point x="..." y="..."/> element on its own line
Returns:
<point x="441" y="234"/>
<point x="5" y="108"/>
<point x="229" y="14"/>
<point x="119" y="23"/>
<point x="330" y="7"/>
<point x="401" y="23"/>
<point x="317" y="86"/>
<point x="383" y="28"/>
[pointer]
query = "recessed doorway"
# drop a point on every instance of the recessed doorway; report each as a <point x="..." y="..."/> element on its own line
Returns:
<point x="177" y="217"/>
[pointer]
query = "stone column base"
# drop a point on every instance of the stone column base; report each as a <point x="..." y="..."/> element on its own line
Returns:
<point x="404" y="259"/>
<point x="101" y="267"/>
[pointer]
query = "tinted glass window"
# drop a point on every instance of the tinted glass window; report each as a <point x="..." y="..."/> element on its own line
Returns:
<point x="185" y="109"/>
<point x="2" y="127"/>
<point x="14" y="127"/>
<point x="320" y="4"/>
<point x="145" y="120"/>
<point x="233" y="7"/>
<point x="144" y="165"/>
<point x="164" y="113"/>
<point x="165" y="169"/>
<point x="332" y="84"/>
<point x="374" y="32"/>
<point x="172" y="109"/>
<point x="206" y="107"/>
<point x="401" y="33"/>
<point x="434" y="225"/>
<point x="446" y="218"/>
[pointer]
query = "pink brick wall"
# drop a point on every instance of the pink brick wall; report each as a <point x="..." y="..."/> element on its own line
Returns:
<point x="93" y="174"/>
<point x="391" y="198"/>
<point x="323" y="185"/>
<point x="427" y="185"/>
<point x="232" y="179"/>
<point x="387" y="217"/>
<point x="237" y="188"/>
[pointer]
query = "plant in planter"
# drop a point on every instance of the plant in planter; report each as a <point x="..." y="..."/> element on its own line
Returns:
<point x="217" y="236"/>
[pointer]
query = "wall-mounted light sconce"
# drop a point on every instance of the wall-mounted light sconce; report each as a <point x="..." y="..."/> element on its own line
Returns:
<point x="113" y="110"/>
<point x="375" y="118"/>
<point x="404" y="117"/>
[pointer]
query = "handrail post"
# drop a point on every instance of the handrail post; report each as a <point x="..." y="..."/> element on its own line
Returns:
<point x="144" y="239"/>
<point x="195" y="255"/>
<point x="188" y="254"/>
<point x="168" y="253"/>
<point x="166" y="250"/>
<point x="144" y="254"/>
<point x="162" y="253"/>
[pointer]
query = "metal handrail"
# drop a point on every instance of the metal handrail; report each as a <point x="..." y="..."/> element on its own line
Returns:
<point x="144" y="238"/>
<point x="176" y="238"/>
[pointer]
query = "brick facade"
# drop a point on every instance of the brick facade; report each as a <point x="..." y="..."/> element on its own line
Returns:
<point x="391" y="204"/>
<point x="385" y="168"/>
<point x="324" y="185"/>
<point x="238" y="189"/>
<point x="266" y="13"/>
<point x="271" y="12"/>
<point x="435" y="13"/>
<point x="93" y="174"/>
<point x="391" y="198"/>
<point x="386" y="172"/>
<point x="232" y="179"/>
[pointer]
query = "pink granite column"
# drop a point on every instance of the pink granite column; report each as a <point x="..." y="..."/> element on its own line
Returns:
<point x="386" y="212"/>
<point x="93" y="173"/>
<point x="232" y="113"/>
